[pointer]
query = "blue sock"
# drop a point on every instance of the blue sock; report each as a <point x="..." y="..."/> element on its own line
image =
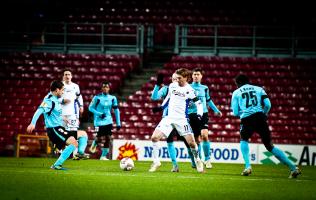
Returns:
<point x="65" y="154"/>
<point x="244" y="147"/>
<point x="279" y="154"/>
<point x="172" y="153"/>
<point x="191" y="157"/>
<point x="207" y="150"/>
<point x="200" y="150"/>
<point x="82" y="144"/>
<point x="105" y="151"/>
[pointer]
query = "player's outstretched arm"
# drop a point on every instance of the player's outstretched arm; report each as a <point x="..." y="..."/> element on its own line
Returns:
<point x="219" y="113"/>
<point x="30" y="128"/>
<point x="214" y="108"/>
<point x="36" y="115"/>
<point x="235" y="106"/>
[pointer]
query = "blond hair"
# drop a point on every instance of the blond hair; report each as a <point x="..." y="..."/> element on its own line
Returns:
<point x="185" y="73"/>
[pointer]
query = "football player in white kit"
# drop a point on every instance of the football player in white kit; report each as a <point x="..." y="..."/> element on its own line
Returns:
<point x="72" y="108"/>
<point x="179" y="96"/>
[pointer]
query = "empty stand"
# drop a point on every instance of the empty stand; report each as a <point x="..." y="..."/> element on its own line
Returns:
<point x="290" y="84"/>
<point x="25" y="79"/>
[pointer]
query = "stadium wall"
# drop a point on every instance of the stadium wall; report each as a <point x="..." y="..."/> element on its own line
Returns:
<point x="220" y="152"/>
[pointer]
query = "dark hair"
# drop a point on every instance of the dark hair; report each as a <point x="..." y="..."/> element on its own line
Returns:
<point x="56" y="85"/>
<point x="105" y="83"/>
<point x="198" y="70"/>
<point x="241" y="80"/>
<point x="67" y="70"/>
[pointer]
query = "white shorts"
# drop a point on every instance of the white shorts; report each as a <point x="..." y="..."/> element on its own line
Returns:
<point x="166" y="125"/>
<point x="73" y="122"/>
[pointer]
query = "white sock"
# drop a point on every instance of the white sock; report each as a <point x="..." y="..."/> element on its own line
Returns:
<point x="195" y="153"/>
<point x="75" y="152"/>
<point x="156" y="152"/>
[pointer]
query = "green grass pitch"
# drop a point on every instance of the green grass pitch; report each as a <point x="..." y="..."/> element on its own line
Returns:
<point x="31" y="178"/>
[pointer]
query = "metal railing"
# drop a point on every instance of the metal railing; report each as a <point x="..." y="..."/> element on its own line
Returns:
<point x="248" y="40"/>
<point x="287" y="41"/>
<point x="74" y="37"/>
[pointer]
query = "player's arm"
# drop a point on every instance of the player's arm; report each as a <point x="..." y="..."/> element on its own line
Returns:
<point x="211" y="104"/>
<point x="166" y="100"/>
<point x="80" y="100"/>
<point x="214" y="108"/>
<point x="64" y="101"/>
<point x="266" y="104"/>
<point x="154" y="94"/>
<point x="36" y="115"/>
<point x="45" y="107"/>
<point x="116" y="113"/>
<point x="164" y="103"/>
<point x="93" y="105"/>
<point x="235" y="106"/>
<point x="160" y="94"/>
<point x="157" y="93"/>
<point x="198" y="105"/>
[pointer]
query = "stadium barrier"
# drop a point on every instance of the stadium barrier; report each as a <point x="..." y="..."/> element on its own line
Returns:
<point x="32" y="144"/>
<point x="220" y="152"/>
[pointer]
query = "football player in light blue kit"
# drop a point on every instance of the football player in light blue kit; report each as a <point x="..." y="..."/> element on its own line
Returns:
<point x="101" y="107"/>
<point x="251" y="104"/>
<point x="158" y="94"/>
<point x="200" y="127"/>
<point x="51" y="109"/>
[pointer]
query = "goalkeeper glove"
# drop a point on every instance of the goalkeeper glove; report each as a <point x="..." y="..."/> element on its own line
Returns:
<point x="157" y="109"/>
<point x="159" y="79"/>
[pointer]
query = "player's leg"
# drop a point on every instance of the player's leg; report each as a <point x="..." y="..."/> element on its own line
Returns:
<point x="196" y="129"/>
<point x="82" y="144"/>
<point x="82" y="141"/>
<point x="105" y="147"/>
<point x="155" y="138"/>
<point x="195" y="153"/>
<point x="59" y="137"/>
<point x="184" y="129"/>
<point x="71" y="146"/>
<point x="265" y="135"/>
<point x="279" y="154"/>
<point x="188" y="149"/>
<point x="105" y="132"/>
<point x="172" y="151"/>
<point x="75" y="155"/>
<point x="163" y="129"/>
<point x="94" y="144"/>
<point x="245" y="133"/>
<point x="206" y="144"/>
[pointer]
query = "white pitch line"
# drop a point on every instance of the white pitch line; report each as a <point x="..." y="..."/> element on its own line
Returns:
<point x="124" y="174"/>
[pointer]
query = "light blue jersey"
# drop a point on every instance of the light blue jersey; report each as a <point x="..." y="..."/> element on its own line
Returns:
<point x="202" y="92"/>
<point x="161" y="93"/>
<point x="52" y="112"/>
<point x="158" y="94"/>
<point x="249" y="99"/>
<point x="103" y="104"/>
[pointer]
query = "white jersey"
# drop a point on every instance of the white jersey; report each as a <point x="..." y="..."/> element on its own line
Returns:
<point x="178" y="100"/>
<point x="72" y="92"/>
